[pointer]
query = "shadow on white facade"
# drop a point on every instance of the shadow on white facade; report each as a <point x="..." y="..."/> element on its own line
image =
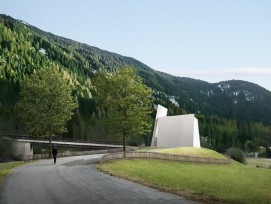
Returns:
<point x="175" y="131"/>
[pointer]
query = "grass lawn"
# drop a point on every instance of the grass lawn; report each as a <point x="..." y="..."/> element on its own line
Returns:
<point x="233" y="183"/>
<point x="191" y="152"/>
<point x="261" y="162"/>
<point x="5" y="169"/>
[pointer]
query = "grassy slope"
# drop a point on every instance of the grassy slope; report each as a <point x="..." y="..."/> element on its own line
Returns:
<point x="5" y="169"/>
<point x="192" y="152"/>
<point x="233" y="182"/>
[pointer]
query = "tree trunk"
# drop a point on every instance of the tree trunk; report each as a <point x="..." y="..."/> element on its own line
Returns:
<point x="124" y="145"/>
<point x="50" y="143"/>
<point x="50" y="148"/>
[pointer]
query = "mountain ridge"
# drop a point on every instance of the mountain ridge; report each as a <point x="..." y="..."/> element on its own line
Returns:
<point x="227" y="111"/>
<point x="124" y="56"/>
<point x="189" y="92"/>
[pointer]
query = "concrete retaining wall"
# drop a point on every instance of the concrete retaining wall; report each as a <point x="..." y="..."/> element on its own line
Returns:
<point x="19" y="149"/>
<point x="155" y="155"/>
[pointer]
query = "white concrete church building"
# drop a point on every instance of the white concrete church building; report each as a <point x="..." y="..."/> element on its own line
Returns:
<point x="175" y="131"/>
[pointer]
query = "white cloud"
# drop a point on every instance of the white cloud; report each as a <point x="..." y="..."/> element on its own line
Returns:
<point x="247" y="71"/>
<point x="257" y="75"/>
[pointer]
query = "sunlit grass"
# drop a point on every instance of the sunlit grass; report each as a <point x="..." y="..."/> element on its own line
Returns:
<point x="5" y="169"/>
<point x="149" y="148"/>
<point x="188" y="151"/>
<point x="233" y="182"/>
<point x="260" y="162"/>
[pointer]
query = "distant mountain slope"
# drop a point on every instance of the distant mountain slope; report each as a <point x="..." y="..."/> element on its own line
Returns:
<point x="230" y="99"/>
<point x="24" y="48"/>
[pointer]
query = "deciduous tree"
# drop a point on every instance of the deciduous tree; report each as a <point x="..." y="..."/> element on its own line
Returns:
<point x="126" y="101"/>
<point x="46" y="103"/>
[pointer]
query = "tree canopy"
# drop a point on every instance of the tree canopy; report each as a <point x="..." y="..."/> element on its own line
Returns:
<point x="126" y="102"/>
<point x="46" y="103"/>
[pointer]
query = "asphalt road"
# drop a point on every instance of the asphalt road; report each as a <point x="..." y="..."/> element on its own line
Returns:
<point x="75" y="180"/>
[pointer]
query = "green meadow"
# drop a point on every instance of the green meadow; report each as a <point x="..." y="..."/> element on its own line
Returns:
<point x="5" y="169"/>
<point x="230" y="183"/>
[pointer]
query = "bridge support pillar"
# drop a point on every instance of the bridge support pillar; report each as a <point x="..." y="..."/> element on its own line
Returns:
<point x="21" y="149"/>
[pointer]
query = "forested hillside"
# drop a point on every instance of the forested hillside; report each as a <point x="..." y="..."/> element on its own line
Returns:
<point x="229" y="112"/>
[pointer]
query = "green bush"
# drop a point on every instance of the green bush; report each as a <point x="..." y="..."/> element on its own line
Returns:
<point x="205" y="142"/>
<point x="267" y="151"/>
<point x="5" y="150"/>
<point x="251" y="146"/>
<point x="236" y="154"/>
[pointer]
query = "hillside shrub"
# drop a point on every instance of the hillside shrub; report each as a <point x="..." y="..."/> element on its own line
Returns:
<point x="5" y="150"/>
<point x="205" y="142"/>
<point x="267" y="152"/>
<point x="236" y="154"/>
<point x="251" y="146"/>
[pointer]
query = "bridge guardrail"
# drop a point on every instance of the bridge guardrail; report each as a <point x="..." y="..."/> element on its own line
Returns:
<point x="59" y="138"/>
<point x="28" y="158"/>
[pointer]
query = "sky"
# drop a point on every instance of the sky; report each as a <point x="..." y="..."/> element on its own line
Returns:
<point x="211" y="40"/>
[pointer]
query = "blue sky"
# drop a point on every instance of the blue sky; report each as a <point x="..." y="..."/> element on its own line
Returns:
<point x="212" y="40"/>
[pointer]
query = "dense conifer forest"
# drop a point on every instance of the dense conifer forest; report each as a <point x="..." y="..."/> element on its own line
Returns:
<point x="230" y="112"/>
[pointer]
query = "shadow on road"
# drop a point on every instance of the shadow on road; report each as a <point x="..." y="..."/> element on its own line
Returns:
<point x="38" y="165"/>
<point x="81" y="162"/>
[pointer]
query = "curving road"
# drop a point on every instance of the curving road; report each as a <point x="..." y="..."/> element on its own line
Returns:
<point x="75" y="180"/>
